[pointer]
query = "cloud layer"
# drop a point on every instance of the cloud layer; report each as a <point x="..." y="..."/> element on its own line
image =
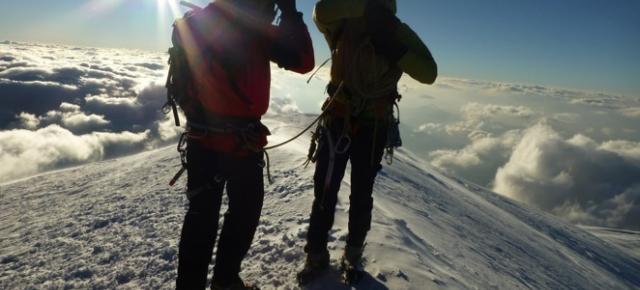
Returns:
<point x="70" y="105"/>
<point x="65" y="105"/>
<point x="25" y="152"/>
<point x="582" y="180"/>
<point x="582" y="166"/>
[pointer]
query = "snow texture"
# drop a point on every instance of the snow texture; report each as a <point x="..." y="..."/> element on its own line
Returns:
<point x="115" y="224"/>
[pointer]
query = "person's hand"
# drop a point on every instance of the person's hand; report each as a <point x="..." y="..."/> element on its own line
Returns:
<point x="286" y="6"/>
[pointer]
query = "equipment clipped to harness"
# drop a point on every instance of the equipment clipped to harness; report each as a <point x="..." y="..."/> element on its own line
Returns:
<point x="182" y="149"/>
<point x="312" y="155"/>
<point x="246" y="131"/>
<point x="341" y="146"/>
<point x="394" y="139"/>
<point x="175" y="82"/>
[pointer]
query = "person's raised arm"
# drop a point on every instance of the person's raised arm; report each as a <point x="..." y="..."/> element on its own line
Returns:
<point x="417" y="62"/>
<point x="292" y="48"/>
<point x="399" y="44"/>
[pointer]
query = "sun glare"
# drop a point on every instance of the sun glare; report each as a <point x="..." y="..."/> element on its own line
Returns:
<point x="174" y="7"/>
<point x="167" y="12"/>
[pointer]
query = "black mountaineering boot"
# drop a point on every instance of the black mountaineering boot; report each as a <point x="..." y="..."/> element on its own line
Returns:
<point x="314" y="266"/>
<point x="351" y="265"/>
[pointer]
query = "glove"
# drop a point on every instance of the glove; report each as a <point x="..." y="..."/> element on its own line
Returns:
<point x="382" y="25"/>
<point x="286" y="6"/>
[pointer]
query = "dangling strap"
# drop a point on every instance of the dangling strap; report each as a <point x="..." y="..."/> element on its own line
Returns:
<point x="340" y="147"/>
<point x="171" y="105"/>
<point x="322" y="122"/>
<point x="182" y="149"/>
<point x="329" y="173"/>
<point x="312" y="154"/>
<point x="394" y="139"/>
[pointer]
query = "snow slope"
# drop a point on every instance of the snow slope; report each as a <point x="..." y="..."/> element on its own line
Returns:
<point x="115" y="225"/>
<point x="628" y="240"/>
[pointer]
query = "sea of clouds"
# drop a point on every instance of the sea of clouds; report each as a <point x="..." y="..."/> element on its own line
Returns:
<point x="66" y="105"/>
<point x="573" y="153"/>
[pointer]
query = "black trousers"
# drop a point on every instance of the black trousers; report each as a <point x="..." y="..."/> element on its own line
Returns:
<point x="365" y="153"/>
<point x="208" y="174"/>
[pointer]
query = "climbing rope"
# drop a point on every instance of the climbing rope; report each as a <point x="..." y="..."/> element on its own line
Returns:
<point x="315" y="121"/>
<point x="267" y="164"/>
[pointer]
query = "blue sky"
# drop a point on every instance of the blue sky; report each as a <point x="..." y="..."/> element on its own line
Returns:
<point x="584" y="44"/>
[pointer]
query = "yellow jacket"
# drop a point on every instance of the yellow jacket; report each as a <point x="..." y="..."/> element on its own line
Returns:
<point x="331" y="15"/>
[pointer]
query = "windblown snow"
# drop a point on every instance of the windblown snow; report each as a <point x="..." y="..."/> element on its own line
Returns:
<point x="115" y="224"/>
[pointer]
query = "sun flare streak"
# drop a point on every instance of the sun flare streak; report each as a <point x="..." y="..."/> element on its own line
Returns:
<point x="174" y="6"/>
<point x="167" y="11"/>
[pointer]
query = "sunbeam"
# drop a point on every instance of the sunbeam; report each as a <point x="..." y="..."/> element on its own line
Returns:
<point x="174" y="6"/>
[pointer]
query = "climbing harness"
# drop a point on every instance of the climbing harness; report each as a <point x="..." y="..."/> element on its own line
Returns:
<point x="203" y="131"/>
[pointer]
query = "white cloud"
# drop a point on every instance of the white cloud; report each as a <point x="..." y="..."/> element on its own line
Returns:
<point x="167" y="129"/>
<point x="628" y="149"/>
<point x="623" y="104"/>
<point x="101" y="100"/>
<point x="79" y="121"/>
<point x="604" y="102"/>
<point x="475" y="139"/>
<point x="283" y="105"/>
<point x="37" y="78"/>
<point x="28" y="121"/>
<point x="71" y="117"/>
<point x="85" y="104"/>
<point x="486" y="111"/>
<point x="632" y="112"/>
<point x="577" y="96"/>
<point x="431" y="128"/>
<point x="476" y="146"/>
<point x="26" y="152"/>
<point x="579" y="179"/>
<point x="566" y="117"/>
<point x="66" y="107"/>
<point x="482" y="120"/>
<point x="479" y="160"/>
<point x="78" y="104"/>
<point x="105" y="100"/>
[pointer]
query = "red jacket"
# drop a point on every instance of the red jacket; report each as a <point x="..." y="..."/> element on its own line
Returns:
<point x="229" y="53"/>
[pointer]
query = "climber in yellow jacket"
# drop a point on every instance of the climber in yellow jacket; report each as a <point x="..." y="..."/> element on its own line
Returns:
<point x="371" y="49"/>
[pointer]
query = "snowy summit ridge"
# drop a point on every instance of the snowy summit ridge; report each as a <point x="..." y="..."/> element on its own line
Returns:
<point x="116" y="224"/>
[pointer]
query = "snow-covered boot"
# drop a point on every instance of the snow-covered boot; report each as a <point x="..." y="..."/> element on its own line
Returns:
<point x="351" y="265"/>
<point x="315" y="264"/>
<point x="240" y="285"/>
